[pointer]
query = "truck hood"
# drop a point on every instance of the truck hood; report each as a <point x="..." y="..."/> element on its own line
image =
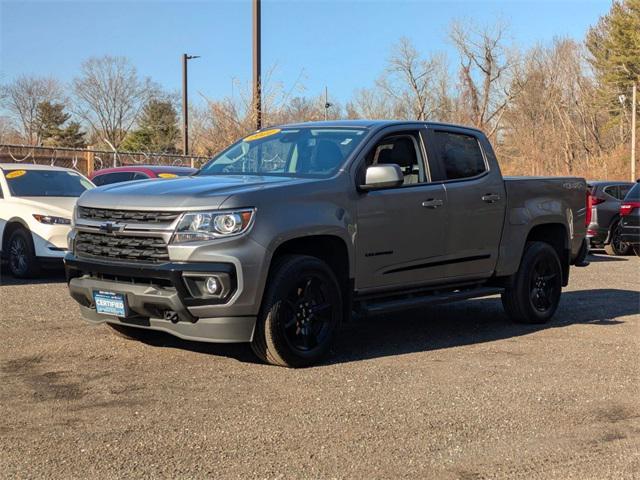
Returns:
<point x="57" y="206"/>
<point x="179" y="193"/>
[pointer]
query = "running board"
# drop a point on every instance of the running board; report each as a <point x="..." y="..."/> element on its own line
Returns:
<point x="379" y="306"/>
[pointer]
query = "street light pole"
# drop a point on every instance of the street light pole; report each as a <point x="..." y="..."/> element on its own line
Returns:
<point x="185" y="104"/>
<point x="257" y="80"/>
<point x="634" y="103"/>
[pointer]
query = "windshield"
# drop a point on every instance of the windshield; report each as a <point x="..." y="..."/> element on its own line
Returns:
<point x="295" y="152"/>
<point x="46" y="183"/>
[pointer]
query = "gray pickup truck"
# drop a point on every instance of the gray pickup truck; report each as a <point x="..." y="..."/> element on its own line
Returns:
<point x="295" y="229"/>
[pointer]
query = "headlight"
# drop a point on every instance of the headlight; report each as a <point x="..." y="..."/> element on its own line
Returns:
<point x="208" y="225"/>
<point x="51" y="220"/>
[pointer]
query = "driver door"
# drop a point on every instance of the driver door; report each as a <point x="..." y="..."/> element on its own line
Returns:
<point x="400" y="230"/>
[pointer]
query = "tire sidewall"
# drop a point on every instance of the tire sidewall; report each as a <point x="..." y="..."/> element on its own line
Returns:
<point x="29" y="253"/>
<point x="284" y="279"/>
<point x="535" y="253"/>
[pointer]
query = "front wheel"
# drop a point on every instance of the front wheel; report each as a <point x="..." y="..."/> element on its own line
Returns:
<point x="534" y="293"/>
<point x="300" y="313"/>
<point x="22" y="258"/>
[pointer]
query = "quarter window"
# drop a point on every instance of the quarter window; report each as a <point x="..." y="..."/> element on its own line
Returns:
<point x="459" y="154"/>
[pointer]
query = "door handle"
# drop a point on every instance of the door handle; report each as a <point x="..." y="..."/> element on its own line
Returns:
<point x="432" y="203"/>
<point x="490" y="197"/>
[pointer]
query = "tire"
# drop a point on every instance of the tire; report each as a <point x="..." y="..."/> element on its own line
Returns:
<point x="534" y="292"/>
<point x="21" y="255"/>
<point x="300" y="313"/>
<point x="616" y="247"/>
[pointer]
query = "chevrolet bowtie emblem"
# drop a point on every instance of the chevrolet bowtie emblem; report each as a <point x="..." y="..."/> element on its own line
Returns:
<point x="111" y="227"/>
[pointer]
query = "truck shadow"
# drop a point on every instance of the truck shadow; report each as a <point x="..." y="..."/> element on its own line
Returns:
<point x="438" y="327"/>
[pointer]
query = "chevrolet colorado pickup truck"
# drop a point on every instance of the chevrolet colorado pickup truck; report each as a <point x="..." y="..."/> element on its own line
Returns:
<point x="296" y="228"/>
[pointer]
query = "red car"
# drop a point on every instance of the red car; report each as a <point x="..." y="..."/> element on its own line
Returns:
<point x="107" y="176"/>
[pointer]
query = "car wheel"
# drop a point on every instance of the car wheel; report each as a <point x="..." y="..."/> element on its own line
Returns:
<point x="300" y="313"/>
<point x="616" y="246"/>
<point x="21" y="255"/>
<point x="534" y="292"/>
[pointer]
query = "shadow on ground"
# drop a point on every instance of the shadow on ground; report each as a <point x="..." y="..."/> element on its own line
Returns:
<point x="438" y="327"/>
<point x="49" y="275"/>
<point x="606" y="258"/>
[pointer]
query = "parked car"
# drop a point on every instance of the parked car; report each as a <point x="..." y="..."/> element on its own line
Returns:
<point x="630" y="219"/>
<point x="36" y="207"/>
<point x="108" y="176"/>
<point x="280" y="237"/>
<point x="604" y="229"/>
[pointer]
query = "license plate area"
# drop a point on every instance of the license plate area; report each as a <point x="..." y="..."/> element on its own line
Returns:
<point x="110" y="303"/>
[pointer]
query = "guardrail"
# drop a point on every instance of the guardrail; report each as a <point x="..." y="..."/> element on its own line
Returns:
<point x="88" y="160"/>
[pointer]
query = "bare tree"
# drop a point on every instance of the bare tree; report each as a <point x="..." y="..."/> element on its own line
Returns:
<point x="22" y="98"/>
<point x="485" y="66"/>
<point x="110" y="95"/>
<point x="410" y="81"/>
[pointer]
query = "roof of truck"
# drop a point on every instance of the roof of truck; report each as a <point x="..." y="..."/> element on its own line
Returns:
<point x="364" y="123"/>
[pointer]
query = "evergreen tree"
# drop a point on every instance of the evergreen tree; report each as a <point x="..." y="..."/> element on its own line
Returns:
<point x="157" y="129"/>
<point x="614" y="44"/>
<point x="50" y="120"/>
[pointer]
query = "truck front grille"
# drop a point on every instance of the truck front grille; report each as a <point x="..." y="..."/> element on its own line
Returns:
<point x="136" y="248"/>
<point x="134" y="216"/>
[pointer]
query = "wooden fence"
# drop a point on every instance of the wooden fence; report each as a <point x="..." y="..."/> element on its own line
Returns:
<point x="86" y="160"/>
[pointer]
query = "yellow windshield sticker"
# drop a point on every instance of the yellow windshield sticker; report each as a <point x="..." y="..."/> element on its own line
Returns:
<point x="167" y="175"/>
<point x="263" y="134"/>
<point x="15" y="174"/>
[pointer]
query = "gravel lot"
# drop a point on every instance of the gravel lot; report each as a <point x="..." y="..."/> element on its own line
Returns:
<point x="453" y="392"/>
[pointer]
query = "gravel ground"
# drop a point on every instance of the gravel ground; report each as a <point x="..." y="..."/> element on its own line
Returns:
<point x="452" y="392"/>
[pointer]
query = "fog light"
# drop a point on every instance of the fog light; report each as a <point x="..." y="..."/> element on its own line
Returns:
<point x="211" y="285"/>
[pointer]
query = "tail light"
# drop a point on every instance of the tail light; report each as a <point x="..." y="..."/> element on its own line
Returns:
<point x="627" y="207"/>
<point x="587" y="217"/>
<point x="596" y="201"/>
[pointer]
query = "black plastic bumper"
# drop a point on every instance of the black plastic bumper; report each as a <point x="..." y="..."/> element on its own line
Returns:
<point x="168" y="274"/>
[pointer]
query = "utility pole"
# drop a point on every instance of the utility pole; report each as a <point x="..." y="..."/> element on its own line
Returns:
<point x="634" y="103"/>
<point x="185" y="104"/>
<point x="257" y="79"/>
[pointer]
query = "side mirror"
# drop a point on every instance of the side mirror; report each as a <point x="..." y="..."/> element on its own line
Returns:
<point x="382" y="176"/>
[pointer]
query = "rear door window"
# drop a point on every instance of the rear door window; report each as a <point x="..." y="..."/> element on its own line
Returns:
<point x="613" y="191"/>
<point x="458" y="154"/>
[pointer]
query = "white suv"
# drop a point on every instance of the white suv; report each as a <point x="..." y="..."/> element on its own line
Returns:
<point x="36" y="208"/>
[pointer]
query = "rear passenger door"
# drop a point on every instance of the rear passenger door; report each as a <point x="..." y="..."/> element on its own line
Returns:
<point x="475" y="197"/>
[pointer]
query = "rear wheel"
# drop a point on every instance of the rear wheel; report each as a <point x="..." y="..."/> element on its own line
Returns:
<point x="534" y="293"/>
<point x="616" y="246"/>
<point x="300" y="313"/>
<point x="21" y="254"/>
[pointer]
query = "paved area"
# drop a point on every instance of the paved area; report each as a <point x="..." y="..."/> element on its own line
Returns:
<point x="452" y="392"/>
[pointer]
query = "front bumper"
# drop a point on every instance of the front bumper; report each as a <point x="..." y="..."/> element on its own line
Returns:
<point x="159" y="298"/>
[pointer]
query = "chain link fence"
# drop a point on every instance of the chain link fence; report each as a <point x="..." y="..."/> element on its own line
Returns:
<point x="86" y="160"/>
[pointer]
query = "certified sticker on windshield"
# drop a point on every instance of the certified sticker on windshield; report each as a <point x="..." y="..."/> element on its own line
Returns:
<point x="15" y="174"/>
<point x="259" y="135"/>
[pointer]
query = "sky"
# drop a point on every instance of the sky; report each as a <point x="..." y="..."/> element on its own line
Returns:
<point x="340" y="44"/>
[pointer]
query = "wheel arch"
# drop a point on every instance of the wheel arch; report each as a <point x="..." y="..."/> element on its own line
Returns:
<point x="11" y="225"/>
<point x="556" y="235"/>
